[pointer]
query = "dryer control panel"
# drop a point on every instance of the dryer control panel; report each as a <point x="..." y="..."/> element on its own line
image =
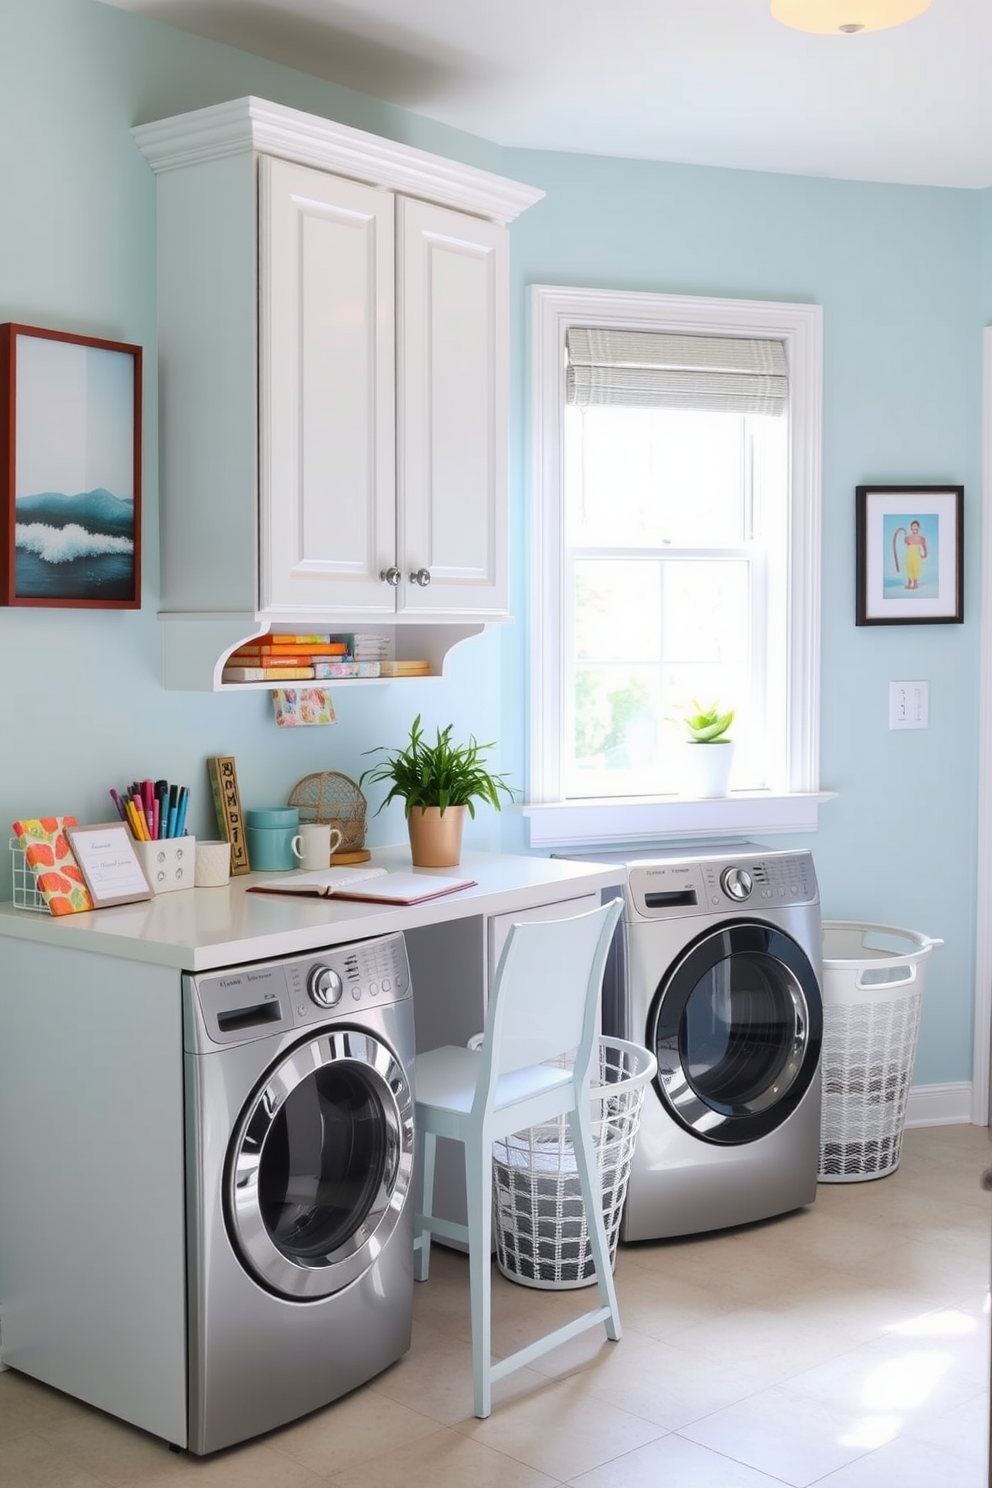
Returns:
<point x="672" y="887"/>
<point x="252" y="1002"/>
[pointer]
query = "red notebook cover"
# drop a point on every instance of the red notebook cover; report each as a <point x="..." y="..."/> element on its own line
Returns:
<point x="370" y="885"/>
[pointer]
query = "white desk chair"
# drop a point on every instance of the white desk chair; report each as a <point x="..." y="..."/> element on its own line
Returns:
<point x="544" y="1004"/>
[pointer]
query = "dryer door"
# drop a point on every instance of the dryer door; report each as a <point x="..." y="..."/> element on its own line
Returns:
<point x="736" y="1024"/>
<point x="320" y="1164"/>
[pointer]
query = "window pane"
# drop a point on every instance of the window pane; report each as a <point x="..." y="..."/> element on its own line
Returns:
<point x="648" y="636"/>
<point x="618" y="609"/>
<point x="639" y="477"/>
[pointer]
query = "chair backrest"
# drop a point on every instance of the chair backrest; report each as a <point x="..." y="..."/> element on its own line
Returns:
<point x="544" y="1001"/>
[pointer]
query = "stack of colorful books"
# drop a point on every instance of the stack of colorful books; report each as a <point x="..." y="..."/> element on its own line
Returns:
<point x="296" y="658"/>
<point x="279" y="657"/>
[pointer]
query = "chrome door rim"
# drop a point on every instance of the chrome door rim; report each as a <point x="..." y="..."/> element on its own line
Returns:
<point x="382" y="1072"/>
<point x="797" y="982"/>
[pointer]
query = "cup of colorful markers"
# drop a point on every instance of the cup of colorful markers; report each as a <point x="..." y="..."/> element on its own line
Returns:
<point x="152" y="809"/>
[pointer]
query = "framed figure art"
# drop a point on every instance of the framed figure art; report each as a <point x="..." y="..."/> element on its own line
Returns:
<point x="910" y="555"/>
<point x="70" y="470"/>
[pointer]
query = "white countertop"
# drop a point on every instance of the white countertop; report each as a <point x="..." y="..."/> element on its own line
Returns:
<point x="198" y="929"/>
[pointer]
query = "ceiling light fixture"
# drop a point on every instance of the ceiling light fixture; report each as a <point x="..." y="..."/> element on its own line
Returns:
<point x="846" y="17"/>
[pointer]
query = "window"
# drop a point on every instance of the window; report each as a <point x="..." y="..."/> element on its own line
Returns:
<point x="675" y="558"/>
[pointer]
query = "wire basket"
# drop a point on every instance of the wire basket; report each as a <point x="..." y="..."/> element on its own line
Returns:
<point x="542" y="1234"/>
<point x="335" y="799"/>
<point x="26" y="893"/>
<point x="873" y="977"/>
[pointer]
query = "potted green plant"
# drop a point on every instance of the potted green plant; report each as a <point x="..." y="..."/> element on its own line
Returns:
<point x="437" y="782"/>
<point x="709" y="752"/>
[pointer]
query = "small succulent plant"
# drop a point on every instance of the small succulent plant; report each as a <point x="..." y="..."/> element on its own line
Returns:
<point x="707" y="725"/>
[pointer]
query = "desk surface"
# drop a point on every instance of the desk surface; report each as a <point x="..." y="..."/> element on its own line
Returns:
<point x="198" y="929"/>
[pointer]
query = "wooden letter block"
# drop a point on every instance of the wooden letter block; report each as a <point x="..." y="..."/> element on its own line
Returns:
<point x="227" y="804"/>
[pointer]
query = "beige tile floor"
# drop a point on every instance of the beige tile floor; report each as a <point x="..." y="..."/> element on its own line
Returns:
<point x="846" y="1345"/>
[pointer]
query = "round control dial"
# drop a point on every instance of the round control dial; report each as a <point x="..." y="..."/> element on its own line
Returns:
<point x="736" y="883"/>
<point x="324" y="986"/>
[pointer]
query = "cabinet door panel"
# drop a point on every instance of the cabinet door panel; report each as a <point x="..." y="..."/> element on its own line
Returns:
<point x="326" y="394"/>
<point x="451" y="390"/>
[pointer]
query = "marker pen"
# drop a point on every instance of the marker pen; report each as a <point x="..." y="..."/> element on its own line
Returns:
<point x="181" y="810"/>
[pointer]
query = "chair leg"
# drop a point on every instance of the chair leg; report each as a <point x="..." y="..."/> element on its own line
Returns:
<point x="478" y="1186"/>
<point x="425" y="1208"/>
<point x="585" y="1160"/>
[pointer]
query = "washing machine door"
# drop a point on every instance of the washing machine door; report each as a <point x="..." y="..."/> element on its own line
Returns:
<point x="320" y="1165"/>
<point x="736" y="1025"/>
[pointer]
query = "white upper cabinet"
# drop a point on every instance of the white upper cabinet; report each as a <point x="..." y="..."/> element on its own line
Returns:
<point x="327" y="441"/>
<point x="333" y="327"/>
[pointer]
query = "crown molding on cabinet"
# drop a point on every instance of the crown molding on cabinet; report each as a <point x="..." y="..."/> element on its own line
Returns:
<point x="252" y="123"/>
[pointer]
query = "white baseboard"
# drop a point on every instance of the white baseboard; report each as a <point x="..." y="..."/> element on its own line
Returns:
<point x="939" y="1105"/>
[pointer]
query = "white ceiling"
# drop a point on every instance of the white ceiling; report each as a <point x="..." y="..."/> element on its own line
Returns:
<point x="706" y="82"/>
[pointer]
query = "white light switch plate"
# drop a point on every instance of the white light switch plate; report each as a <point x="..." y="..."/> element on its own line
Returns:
<point x="909" y="705"/>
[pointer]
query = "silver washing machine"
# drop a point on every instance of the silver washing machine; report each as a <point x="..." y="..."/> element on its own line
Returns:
<point x="300" y="1144"/>
<point x="723" y="984"/>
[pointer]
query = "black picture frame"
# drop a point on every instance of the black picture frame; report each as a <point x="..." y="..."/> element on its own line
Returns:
<point x="909" y="543"/>
<point x="70" y="470"/>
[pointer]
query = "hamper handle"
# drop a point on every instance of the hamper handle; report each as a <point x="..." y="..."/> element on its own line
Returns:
<point x="895" y="976"/>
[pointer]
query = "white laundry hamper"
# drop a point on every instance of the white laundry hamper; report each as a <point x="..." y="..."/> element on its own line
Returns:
<point x="539" y="1219"/>
<point x="873" y="977"/>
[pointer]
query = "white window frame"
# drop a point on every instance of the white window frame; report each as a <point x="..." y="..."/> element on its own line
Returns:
<point x="551" y="820"/>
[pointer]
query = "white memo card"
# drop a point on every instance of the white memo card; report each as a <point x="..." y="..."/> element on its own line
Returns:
<point x="107" y="861"/>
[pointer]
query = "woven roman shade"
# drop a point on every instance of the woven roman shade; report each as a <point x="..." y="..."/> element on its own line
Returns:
<point x="652" y="369"/>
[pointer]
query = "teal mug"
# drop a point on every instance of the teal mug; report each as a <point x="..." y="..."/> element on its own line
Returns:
<point x="270" y="836"/>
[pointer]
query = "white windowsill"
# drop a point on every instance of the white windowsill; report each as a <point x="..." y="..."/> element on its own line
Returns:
<point x="649" y="819"/>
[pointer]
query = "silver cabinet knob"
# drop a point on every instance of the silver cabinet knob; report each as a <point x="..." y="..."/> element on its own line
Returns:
<point x="390" y="576"/>
<point x="422" y="577"/>
<point x="986" y="1180"/>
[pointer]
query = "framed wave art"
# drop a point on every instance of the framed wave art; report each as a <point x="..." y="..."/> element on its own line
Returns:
<point x="70" y="470"/>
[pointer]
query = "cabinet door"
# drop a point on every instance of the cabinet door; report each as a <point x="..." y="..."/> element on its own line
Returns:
<point x="452" y="393"/>
<point x="326" y="394"/>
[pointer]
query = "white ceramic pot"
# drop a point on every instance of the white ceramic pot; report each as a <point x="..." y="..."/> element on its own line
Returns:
<point x="706" y="769"/>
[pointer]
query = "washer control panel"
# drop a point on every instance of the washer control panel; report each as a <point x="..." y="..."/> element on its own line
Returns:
<point x="670" y="887"/>
<point x="252" y="1002"/>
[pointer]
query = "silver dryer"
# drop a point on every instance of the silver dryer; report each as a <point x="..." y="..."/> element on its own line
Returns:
<point x="299" y="1111"/>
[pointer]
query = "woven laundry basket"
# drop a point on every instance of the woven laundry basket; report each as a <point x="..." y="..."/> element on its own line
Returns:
<point x="873" y="977"/>
<point x="542" y="1238"/>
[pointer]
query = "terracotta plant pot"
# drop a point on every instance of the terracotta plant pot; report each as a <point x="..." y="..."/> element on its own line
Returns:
<point x="436" y="836"/>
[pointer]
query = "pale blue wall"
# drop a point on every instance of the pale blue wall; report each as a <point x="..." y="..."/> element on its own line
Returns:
<point x="901" y="273"/>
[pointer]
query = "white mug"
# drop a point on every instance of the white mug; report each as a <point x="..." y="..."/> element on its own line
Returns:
<point x="315" y="843"/>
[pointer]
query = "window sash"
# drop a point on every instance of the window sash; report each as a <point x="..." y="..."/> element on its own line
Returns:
<point x="756" y="749"/>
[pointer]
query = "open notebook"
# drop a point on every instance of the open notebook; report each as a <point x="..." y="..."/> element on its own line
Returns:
<point x="375" y="885"/>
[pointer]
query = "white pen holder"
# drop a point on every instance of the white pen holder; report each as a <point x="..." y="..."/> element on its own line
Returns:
<point x="167" y="863"/>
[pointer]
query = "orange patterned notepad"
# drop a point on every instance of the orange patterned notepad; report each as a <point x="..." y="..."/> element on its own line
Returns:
<point x="47" y="852"/>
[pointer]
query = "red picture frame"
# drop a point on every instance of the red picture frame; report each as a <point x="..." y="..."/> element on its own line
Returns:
<point x="70" y="470"/>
